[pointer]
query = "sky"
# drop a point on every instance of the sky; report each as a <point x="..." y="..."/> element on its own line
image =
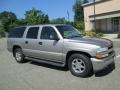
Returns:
<point x="54" y="8"/>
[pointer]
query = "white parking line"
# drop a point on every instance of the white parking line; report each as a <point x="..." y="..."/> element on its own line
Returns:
<point x="117" y="56"/>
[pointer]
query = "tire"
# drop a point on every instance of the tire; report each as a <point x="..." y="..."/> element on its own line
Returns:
<point x="80" y="65"/>
<point x="19" y="56"/>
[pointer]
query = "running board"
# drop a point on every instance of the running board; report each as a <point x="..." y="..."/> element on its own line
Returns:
<point x="60" y="64"/>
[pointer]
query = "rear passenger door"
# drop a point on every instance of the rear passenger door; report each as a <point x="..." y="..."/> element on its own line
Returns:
<point x="30" y="41"/>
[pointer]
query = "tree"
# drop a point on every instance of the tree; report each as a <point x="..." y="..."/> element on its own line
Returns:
<point x="46" y="19"/>
<point x="85" y="1"/>
<point x="7" y="18"/>
<point x="79" y="26"/>
<point x="78" y="11"/>
<point x="8" y="15"/>
<point x="18" y="22"/>
<point x="58" y="21"/>
<point x="35" y="16"/>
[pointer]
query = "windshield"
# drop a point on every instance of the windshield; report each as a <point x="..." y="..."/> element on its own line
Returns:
<point x="68" y="31"/>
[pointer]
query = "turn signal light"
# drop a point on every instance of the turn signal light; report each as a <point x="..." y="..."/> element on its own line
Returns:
<point x="99" y="56"/>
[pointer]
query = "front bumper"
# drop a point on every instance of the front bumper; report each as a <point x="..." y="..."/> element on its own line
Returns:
<point x="100" y="64"/>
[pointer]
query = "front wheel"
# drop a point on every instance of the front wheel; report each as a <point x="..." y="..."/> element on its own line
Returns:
<point x="80" y="65"/>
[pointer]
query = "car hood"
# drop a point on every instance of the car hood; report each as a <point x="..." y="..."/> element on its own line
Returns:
<point x="95" y="41"/>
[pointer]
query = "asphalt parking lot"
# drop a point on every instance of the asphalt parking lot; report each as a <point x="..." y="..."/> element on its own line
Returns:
<point x="36" y="76"/>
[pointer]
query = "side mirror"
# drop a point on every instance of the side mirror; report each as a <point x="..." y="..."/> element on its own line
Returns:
<point x="56" y="38"/>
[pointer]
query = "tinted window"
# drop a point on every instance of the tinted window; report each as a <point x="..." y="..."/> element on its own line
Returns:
<point x="17" y="32"/>
<point x="32" y="33"/>
<point x="48" y="33"/>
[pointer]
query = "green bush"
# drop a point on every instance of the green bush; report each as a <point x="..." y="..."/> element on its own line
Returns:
<point x="99" y="35"/>
<point x="92" y="34"/>
<point x="118" y="35"/>
<point x="83" y="33"/>
<point x="79" y="26"/>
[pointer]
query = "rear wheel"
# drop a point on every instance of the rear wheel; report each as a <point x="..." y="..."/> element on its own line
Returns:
<point x="80" y="65"/>
<point x="19" y="56"/>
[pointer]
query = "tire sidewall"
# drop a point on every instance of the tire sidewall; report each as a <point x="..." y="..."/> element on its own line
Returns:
<point x="87" y="62"/>
<point x="22" y="56"/>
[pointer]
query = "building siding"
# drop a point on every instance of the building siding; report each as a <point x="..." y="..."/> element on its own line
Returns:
<point x="102" y="7"/>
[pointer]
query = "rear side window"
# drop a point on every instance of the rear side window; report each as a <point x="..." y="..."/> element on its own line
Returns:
<point x="16" y="32"/>
<point x="32" y="33"/>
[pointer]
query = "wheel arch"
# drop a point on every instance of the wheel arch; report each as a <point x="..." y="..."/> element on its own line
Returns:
<point x="69" y="53"/>
<point x="14" y="47"/>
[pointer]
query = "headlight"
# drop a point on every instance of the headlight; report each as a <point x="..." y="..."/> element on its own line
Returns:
<point x="101" y="53"/>
<point x="100" y="50"/>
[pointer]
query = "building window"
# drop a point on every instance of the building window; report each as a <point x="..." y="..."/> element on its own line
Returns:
<point x="116" y="24"/>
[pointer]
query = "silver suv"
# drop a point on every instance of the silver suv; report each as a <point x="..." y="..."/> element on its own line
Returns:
<point x="60" y="45"/>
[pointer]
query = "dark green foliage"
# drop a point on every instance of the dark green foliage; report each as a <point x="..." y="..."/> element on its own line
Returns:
<point x="79" y="15"/>
<point x="19" y="22"/>
<point x="100" y="35"/>
<point x="35" y="16"/>
<point x="7" y="18"/>
<point x="78" y="11"/>
<point x="79" y="25"/>
<point x="58" y="21"/>
<point x="85" y="1"/>
<point x="92" y="34"/>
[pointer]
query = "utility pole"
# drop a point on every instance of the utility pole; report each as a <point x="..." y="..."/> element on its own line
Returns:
<point x="94" y="16"/>
<point x="68" y="15"/>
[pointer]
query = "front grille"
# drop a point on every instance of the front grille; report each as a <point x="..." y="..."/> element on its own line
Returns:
<point x="110" y="50"/>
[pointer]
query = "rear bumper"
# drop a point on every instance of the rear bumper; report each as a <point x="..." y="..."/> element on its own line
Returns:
<point x="100" y="64"/>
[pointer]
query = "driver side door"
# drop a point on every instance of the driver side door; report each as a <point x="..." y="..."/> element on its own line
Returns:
<point x="50" y="49"/>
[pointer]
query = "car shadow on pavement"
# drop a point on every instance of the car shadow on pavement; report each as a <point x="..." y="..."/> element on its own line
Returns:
<point x="106" y="71"/>
<point x="49" y="66"/>
<point x="55" y="67"/>
<point x="101" y="73"/>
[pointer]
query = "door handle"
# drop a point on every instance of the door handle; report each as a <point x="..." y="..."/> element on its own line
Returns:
<point x="26" y="42"/>
<point x="40" y="43"/>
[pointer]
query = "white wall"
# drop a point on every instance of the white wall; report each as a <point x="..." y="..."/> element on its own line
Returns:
<point x="103" y="7"/>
